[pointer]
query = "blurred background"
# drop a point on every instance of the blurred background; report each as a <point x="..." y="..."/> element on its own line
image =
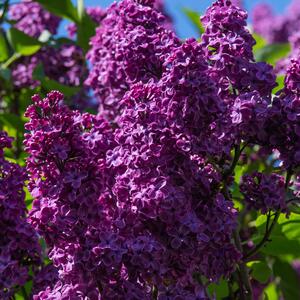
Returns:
<point x="183" y="26"/>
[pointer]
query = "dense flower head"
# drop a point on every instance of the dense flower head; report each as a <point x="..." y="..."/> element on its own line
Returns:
<point x="163" y="218"/>
<point x="19" y="248"/>
<point x="273" y="28"/>
<point x="228" y="45"/>
<point x="248" y="116"/>
<point x="64" y="64"/>
<point x="47" y="277"/>
<point x="22" y="72"/>
<point x="161" y="125"/>
<point x="141" y="207"/>
<point x="32" y="19"/>
<point x="131" y="45"/>
<point x="282" y="128"/>
<point x="264" y="192"/>
<point x="225" y="26"/>
<point x="67" y="177"/>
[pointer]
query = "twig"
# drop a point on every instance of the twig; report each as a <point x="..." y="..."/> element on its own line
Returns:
<point x="245" y="286"/>
<point x="246" y="289"/>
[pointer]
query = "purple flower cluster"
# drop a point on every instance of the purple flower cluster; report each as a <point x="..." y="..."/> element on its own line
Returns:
<point x="68" y="180"/>
<point x="65" y="64"/>
<point x="282" y="126"/>
<point x="45" y="279"/>
<point x="22" y="72"/>
<point x="276" y="28"/>
<point x="264" y="192"/>
<point x="19" y="248"/>
<point x="32" y="19"/>
<point x="229" y="44"/>
<point x="130" y="46"/>
<point x="163" y="217"/>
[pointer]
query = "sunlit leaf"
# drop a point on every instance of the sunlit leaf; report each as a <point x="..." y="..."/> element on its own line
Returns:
<point x="61" y="8"/>
<point x="289" y="279"/>
<point x="272" y="53"/>
<point x="23" y="43"/>
<point x="194" y="17"/>
<point x="260" y="271"/>
<point x="4" y="52"/>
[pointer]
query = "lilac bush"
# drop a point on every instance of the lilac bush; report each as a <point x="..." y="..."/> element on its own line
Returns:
<point x="183" y="183"/>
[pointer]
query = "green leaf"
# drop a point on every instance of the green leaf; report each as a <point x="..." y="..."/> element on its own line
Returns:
<point x="219" y="289"/>
<point x="49" y="84"/>
<point x="194" y="17"/>
<point x="5" y="74"/>
<point x="68" y="91"/>
<point x="270" y="292"/>
<point x="23" y="43"/>
<point x="85" y="30"/>
<point x="290" y="227"/>
<point x="272" y="53"/>
<point x="4" y="52"/>
<point x="280" y="245"/>
<point x="261" y="221"/>
<point x="61" y="8"/>
<point x="289" y="280"/>
<point x="13" y="121"/>
<point x="38" y="73"/>
<point x="260" y="271"/>
<point x="260" y="42"/>
<point x="294" y="207"/>
<point x="80" y="9"/>
<point x="280" y="82"/>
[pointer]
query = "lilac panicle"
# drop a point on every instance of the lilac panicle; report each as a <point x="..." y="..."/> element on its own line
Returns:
<point x="67" y="178"/>
<point x="19" y="247"/>
<point x="264" y="192"/>
<point x="282" y="126"/>
<point x="228" y="45"/>
<point x="130" y="46"/>
<point x="64" y="64"/>
<point x="32" y="19"/>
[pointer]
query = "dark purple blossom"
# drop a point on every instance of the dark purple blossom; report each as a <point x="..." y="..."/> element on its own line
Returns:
<point x="130" y="46"/>
<point x="264" y="192"/>
<point x="282" y="126"/>
<point x="228" y="45"/>
<point x="32" y="19"/>
<point x="19" y="248"/>
<point x="67" y="178"/>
